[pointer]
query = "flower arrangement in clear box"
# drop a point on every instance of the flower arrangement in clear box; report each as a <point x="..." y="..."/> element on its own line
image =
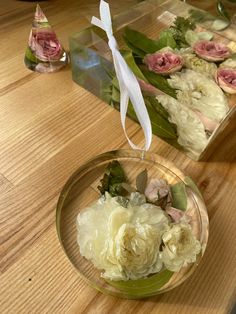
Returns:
<point x="186" y="72"/>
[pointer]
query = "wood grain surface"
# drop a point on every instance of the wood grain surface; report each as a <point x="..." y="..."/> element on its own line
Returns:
<point x="49" y="126"/>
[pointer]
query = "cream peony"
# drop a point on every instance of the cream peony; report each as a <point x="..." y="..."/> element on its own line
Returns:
<point x="191" y="132"/>
<point x="124" y="242"/>
<point x="200" y="93"/>
<point x="180" y="247"/>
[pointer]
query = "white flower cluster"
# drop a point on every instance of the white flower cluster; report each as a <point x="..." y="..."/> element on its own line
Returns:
<point x="198" y="92"/>
<point x="191" y="132"/>
<point x="192" y="62"/>
<point x="125" y="242"/>
<point x="200" y="106"/>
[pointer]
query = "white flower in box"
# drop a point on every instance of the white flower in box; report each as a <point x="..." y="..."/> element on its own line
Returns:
<point x="191" y="132"/>
<point x="200" y="93"/>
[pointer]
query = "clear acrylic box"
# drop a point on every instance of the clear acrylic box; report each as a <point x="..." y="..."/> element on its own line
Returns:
<point x="92" y="65"/>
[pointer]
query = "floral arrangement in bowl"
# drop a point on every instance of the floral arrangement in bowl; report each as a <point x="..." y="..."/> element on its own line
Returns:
<point x="132" y="225"/>
<point x="131" y="233"/>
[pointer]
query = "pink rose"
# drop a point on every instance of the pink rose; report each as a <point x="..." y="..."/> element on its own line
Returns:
<point x="226" y="79"/>
<point x="211" y="51"/>
<point x="163" y="63"/>
<point x="157" y="189"/>
<point x="45" y="45"/>
<point x="177" y="215"/>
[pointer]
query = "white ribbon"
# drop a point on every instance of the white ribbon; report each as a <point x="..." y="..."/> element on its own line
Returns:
<point x="129" y="86"/>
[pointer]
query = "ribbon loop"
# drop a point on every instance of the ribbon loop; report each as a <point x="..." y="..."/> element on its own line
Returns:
<point x="128" y="83"/>
<point x="112" y="43"/>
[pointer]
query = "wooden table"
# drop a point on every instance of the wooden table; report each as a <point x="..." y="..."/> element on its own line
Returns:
<point x="49" y="126"/>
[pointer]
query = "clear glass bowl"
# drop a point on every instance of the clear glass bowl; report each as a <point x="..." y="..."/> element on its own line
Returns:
<point x="81" y="190"/>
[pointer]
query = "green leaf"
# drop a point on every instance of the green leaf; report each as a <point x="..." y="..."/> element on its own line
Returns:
<point x="143" y="287"/>
<point x="179" y="196"/>
<point x="166" y="39"/>
<point x="105" y="94"/>
<point x="220" y="24"/>
<point x="128" y="56"/>
<point x="205" y="36"/>
<point x="112" y="180"/>
<point x="160" y="126"/>
<point x="30" y="56"/>
<point x="183" y="24"/>
<point x="192" y="37"/>
<point x="44" y="24"/>
<point x="222" y="10"/>
<point x="179" y="28"/>
<point x="158" y="115"/>
<point x="158" y="107"/>
<point x="140" y="41"/>
<point x="115" y="83"/>
<point x="159" y="82"/>
<point x="115" y="94"/>
<point x="141" y="181"/>
<point x="139" y="52"/>
<point x="142" y="45"/>
<point x="115" y="170"/>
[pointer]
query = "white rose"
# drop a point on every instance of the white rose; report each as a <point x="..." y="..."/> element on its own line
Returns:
<point x="198" y="92"/>
<point x="180" y="247"/>
<point x="191" y="131"/>
<point x="124" y="242"/>
<point x="135" y="249"/>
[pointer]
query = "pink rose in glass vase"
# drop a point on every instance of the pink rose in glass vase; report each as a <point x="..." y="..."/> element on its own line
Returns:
<point x="163" y="62"/>
<point x="211" y="50"/>
<point x="226" y="79"/>
<point x="45" y="45"/>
